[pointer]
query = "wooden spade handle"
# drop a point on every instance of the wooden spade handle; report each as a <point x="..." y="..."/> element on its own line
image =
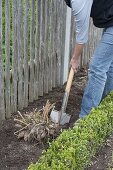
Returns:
<point x="69" y="82"/>
<point x="66" y="94"/>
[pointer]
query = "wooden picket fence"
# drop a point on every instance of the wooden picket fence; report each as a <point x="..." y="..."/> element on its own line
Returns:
<point x="32" y="50"/>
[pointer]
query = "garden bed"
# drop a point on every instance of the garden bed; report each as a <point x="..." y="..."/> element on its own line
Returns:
<point x="17" y="154"/>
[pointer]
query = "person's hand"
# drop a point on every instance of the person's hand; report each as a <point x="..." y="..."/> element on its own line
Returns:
<point x="74" y="64"/>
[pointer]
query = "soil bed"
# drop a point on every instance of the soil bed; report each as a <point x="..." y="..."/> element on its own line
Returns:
<point x="17" y="154"/>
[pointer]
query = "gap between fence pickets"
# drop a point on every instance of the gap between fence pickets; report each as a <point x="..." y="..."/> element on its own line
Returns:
<point x="67" y="45"/>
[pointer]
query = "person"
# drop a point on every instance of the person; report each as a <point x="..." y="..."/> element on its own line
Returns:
<point x="100" y="75"/>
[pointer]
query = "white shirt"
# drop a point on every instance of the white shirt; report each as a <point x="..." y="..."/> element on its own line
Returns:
<point x="81" y="10"/>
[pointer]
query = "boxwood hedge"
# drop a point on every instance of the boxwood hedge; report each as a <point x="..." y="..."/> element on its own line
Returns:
<point x="74" y="148"/>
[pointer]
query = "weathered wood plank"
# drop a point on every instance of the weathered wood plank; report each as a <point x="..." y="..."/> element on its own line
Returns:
<point x="14" y="57"/>
<point x="7" y="64"/>
<point x="20" y="54"/>
<point x="2" y="106"/>
<point x="54" y="43"/>
<point x="67" y="45"/>
<point x="26" y="69"/>
<point x="58" y="43"/>
<point x="73" y="37"/>
<point x="32" y="54"/>
<point x="37" y="44"/>
<point x="41" y="48"/>
<point x="51" y="44"/>
<point x="46" y="49"/>
<point x="62" y="44"/>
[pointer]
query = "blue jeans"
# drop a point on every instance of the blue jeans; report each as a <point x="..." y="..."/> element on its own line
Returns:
<point x="100" y="76"/>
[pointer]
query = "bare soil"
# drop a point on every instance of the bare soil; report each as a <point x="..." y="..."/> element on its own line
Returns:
<point x="17" y="154"/>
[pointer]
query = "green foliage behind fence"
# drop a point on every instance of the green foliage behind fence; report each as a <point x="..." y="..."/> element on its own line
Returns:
<point x="3" y="29"/>
<point x="11" y="22"/>
<point x="74" y="148"/>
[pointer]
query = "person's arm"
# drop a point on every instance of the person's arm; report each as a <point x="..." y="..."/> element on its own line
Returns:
<point x="76" y="56"/>
<point x="81" y="11"/>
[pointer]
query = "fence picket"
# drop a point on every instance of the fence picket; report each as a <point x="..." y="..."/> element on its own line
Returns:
<point x="14" y="57"/>
<point x="32" y="54"/>
<point x="51" y="46"/>
<point x="46" y="49"/>
<point x="2" y="106"/>
<point x="58" y="44"/>
<point x="26" y="60"/>
<point x="41" y="48"/>
<point x="63" y="26"/>
<point x="54" y="42"/>
<point x="20" y="54"/>
<point x="37" y="44"/>
<point x="7" y="64"/>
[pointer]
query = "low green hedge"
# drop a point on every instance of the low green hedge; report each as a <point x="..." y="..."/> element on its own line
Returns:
<point x="74" y="148"/>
